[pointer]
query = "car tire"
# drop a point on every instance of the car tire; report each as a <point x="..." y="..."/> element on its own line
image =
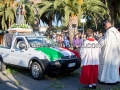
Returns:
<point x="36" y="71"/>
<point x="2" y="66"/>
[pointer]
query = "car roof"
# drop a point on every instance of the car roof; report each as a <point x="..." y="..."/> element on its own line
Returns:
<point x="30" y="35"/>
<point x="8" y="37"/>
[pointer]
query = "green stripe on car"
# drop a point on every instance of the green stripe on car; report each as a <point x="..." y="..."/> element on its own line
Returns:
<point x="50" y="53"/>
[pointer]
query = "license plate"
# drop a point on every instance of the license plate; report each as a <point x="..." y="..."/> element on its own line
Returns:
<point x="71" y="64"/>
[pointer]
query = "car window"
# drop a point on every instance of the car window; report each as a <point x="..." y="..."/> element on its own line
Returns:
<point x="16" y="42"/>
<point x="35" y="42"/>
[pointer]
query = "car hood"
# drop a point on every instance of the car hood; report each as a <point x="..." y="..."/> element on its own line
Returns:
<point x="54" y="53"/>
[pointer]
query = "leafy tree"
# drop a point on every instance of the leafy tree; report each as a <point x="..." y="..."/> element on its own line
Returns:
<point x="7" y="13"/>
<point x="29" y="16"/>
<point x="73" y="10"/>
<point x="114" y="8"/>
<point x="47" y="13"/>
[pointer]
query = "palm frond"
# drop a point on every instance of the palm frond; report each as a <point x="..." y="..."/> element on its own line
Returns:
<point x="45" y="7"/>
<point x="4" y="26"/>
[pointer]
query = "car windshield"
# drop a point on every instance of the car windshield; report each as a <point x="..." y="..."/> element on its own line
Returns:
<point x="35" y="42"/>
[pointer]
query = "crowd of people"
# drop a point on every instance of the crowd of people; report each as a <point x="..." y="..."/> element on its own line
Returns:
<point x="64" y="40"/>
<point x="98" y="63"/>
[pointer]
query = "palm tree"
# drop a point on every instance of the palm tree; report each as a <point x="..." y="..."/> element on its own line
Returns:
<point x="114" y="7"/>
<point x="32" y="16"/>
<point x="47" y="13"/>
<point x="35" y="1"/>
<point x="7" y="12"/>
<point x="75" y="9"/>
<point x="29" y="16"/>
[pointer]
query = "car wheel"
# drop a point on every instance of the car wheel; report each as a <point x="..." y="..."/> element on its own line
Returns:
<point x="2" y="66"/>
<point x="36" y="71"/>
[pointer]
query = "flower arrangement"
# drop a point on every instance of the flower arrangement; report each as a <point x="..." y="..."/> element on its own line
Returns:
<point x="20" y="26"/>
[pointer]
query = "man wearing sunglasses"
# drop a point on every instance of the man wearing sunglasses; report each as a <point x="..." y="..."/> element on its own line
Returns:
<point x="110" y="54"/>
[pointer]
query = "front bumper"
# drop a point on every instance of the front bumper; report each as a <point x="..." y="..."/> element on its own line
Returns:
<point x="64" y="66"/>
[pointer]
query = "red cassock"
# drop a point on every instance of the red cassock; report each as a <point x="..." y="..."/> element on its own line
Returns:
<point x="89" y="74"/>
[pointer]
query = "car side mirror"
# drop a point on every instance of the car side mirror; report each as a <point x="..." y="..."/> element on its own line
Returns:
<point x="22" y="45"/>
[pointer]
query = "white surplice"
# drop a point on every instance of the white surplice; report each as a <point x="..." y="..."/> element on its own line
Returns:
<point x="110" y="56"/>
<point x="90" y="53"/>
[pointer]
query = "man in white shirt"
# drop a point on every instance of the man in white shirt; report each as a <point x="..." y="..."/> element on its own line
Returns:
<point x="110" y="56"/>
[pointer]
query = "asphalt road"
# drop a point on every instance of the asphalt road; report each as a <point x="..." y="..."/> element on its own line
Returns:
<point x="21" y="80"/>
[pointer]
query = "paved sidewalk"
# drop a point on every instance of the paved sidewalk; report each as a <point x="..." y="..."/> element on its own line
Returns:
<point x="21" y="81"/>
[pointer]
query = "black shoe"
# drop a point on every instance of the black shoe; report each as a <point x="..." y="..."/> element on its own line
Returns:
<point x="94" y="87"/>
<point x="88" y="88"/>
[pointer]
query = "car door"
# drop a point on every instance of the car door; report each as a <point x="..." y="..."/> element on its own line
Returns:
<point x="5" y="54"/>
<point x="19" y="57"/>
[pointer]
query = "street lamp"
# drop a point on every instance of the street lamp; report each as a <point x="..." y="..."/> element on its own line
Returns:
<point x="83" y="21"/>
<point x="74" y="26"/>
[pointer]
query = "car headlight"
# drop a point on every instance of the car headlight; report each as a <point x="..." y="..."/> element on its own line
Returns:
<point x="46" y="57"/>
<point x="57" y="62"/>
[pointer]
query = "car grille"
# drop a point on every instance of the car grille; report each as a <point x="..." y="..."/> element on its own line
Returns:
<point x="71" y="61"/>
<point x="68" y="57"/>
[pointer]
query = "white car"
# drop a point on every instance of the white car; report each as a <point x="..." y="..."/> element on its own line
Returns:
<point x="39" y="54"/>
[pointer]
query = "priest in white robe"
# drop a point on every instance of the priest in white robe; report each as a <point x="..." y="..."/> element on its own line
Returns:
<point x="110" y="56"/>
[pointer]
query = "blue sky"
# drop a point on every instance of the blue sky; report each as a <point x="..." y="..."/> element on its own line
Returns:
<point x="54" y="23"/>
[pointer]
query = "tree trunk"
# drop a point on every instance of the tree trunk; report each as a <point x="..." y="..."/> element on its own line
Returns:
<point x="73" y="20"/>
<point x="112" y="14"/>
<point x="36" y="25"/>
<point x="9" y="23"/>
<point x="50" y="25"/>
